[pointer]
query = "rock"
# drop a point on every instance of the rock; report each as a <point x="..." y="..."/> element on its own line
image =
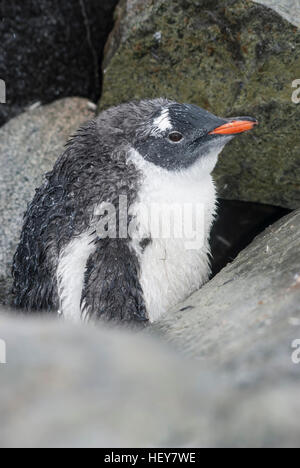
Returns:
<point x="234" y="58"/>
<point x="68" y="386"/>
<point x="29" y="146"/>
<point x="50" y="50"/>
<point x="289" y="9"/>
<point x="248" y="315"/>
<point x="247" y="320"/>
<point x="82" y="386"/>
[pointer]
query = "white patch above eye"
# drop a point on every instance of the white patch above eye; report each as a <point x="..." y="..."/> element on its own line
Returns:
<point x="162" y="122"/>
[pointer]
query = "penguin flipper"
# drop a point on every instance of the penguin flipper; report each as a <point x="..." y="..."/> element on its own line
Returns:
<point x="112" y="290"/>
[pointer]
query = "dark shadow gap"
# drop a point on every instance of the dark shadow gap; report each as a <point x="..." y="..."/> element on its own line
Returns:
<point x="236" y="226"/>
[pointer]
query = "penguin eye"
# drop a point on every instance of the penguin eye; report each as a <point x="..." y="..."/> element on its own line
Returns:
<point x="175" y="137"/>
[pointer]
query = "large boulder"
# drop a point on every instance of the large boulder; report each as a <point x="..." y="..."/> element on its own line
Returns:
<point x="233" y="57"/>
<point x="87" y="387"/>
<point x="29" y="147"/>
<point x="248" y="315"/>
<point x="68" y="386"/>
<point x="51" y="49"/>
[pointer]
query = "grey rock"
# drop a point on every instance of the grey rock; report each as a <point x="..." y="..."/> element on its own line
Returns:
<point x="289" y="9"/>
<point x="249" y="314"/>
<point x="82" y="386"/>
<point x="233" y="58"/>
<point x="29" y="147"/>
<point x="68" y="386"/>
<point x="51" y="50"/>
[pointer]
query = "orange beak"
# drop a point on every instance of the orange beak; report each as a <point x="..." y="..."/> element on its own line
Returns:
<point x="234" y="127"/>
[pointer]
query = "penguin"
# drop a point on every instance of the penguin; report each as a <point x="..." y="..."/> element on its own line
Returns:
<point x="138" y="155"/>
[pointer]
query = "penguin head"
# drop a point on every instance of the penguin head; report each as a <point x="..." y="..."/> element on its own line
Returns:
<point x="175" y="136"/>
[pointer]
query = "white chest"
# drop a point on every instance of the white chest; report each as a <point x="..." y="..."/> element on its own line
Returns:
<point x="176" y="211"/>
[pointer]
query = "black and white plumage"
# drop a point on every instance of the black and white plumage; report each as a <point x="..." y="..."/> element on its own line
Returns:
<point x="148" y="152"/>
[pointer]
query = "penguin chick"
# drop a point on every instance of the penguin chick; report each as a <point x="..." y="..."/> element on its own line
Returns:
<point x="152" y="153"/>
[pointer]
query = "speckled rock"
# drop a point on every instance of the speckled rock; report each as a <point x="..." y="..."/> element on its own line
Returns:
<point x="234" y="57"/>
<point x="29" y="146"/>
<point x="51" y="49"/>
<point x="67" y="386"/>
<point x="249" y="314"/>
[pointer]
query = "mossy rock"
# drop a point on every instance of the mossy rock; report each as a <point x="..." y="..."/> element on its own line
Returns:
<point x="234" y="57"/>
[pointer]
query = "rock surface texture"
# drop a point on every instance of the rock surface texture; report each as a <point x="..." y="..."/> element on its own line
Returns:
<point x="234" y="57"/>
<point x="51" y="49"/>
<point x="67" y="386"/>
<point x="29" y="147"/>
<point x="289" y="9"/>
<point x="249" y="314"/>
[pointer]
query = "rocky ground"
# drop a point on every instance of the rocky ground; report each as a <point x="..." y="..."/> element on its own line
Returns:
<point x="92" y="387"/>
<point x="220" y="369"/>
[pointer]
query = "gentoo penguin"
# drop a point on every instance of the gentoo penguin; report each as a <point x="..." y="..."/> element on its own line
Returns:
<point x="88" y="249"/>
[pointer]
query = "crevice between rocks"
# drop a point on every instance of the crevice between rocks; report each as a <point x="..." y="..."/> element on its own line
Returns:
<point x="92" y="48"/>
<point x="237" y="224"/>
